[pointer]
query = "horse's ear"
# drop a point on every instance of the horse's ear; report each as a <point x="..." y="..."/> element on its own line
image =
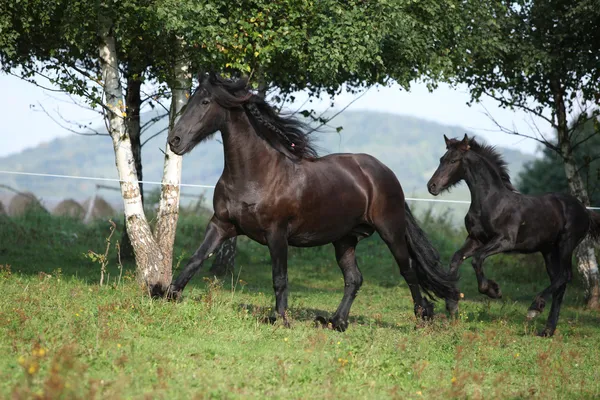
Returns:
<point x="465" y="143"/>
<point x="212" y="77"/>
<point x="447" y="141"/>
<point x="202" y="78"/>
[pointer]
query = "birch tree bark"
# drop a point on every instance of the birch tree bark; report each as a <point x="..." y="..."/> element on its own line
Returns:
<point x="168" y="210"/>
<point x="133" y="103"/>
<point x="149" y="258"/>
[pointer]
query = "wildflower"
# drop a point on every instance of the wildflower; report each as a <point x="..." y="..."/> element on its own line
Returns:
<point x="39" y="352"/>
<point x="419" y="393"/>
<point x="339" y="343"/>
<point x="285" y="339"/>
<point x="453" y="380"/>
<point x="119" y="345"/>
<point x="33" y="368"/>
<point x="516" y="355"/>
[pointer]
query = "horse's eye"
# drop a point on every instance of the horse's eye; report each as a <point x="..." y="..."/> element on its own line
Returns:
<point x="205" y="102"/>
<point x="453" y="161"/>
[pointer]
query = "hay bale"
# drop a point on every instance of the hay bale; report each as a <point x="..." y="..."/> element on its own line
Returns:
<point x="69" y="208"/>
<point x="102" y="209"/>
<point x="23" y="203"/>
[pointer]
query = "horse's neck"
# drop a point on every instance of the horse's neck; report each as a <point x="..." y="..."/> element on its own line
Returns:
<point x="246" y="154"/>
<point x="483" y="180"/>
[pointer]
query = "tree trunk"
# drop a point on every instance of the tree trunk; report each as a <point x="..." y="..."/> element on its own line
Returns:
<point x="168" y="209"/>
<point x="133" y="102"/>
<point x="586" y="257"/>
<point x="149" y="258"/>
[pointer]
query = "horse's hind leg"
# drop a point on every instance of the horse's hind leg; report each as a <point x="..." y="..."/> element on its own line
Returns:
<point x="552" y="260"/>
<point x="346" y="258"/>
<point x="564" y="270"/>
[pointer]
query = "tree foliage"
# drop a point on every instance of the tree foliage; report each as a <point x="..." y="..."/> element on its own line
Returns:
<point x="547" y="173"/>
<point x="515" y="54"/>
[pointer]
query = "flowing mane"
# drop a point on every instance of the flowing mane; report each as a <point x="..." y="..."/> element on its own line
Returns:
<point x="284" y="133"/>
<point x="492" y="155"/>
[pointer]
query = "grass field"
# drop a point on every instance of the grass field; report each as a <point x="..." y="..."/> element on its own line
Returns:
<point x="64" y="336"/>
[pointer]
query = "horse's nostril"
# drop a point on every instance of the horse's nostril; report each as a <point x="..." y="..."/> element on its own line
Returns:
<point x="175" y="140"/>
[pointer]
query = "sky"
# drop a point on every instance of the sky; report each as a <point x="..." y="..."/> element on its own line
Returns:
<point x="25" y="125"/>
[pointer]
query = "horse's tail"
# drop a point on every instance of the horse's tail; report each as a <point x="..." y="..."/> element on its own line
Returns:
<point x="594" y="231"/>
<point x="432" y="275"/>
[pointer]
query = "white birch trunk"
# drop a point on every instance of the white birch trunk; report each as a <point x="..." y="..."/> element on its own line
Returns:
<point x="168" y="209"/>
<point x="149" y="259"/>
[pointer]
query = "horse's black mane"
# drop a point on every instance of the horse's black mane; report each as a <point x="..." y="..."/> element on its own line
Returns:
<point x="286" y="134"/>
<point x="490" y="153"/>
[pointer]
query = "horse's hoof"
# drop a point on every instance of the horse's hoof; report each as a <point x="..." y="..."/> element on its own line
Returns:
<point x="338" y="324"/>
<point x="269" y="320"/>
<point x="157" y="291"/>
<point x="532" y="314"/>
<point x="424" y="312"/>
<point x="493" y="290"/>
<point x="333" y="324"/>
<point x="452" y="307"/>
<point x="547" y="332"/>
<point x="174" y="294"/>
<point x="322" y="322"/>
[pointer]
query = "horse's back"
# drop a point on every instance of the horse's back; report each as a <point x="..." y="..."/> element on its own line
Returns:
<point x="384" y="194"/>
<point x="380" y="176"/>
<point x="546" y="218"/>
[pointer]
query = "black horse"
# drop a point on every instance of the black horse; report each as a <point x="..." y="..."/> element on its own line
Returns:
<point x="501" y="220"/>
<point x="277" y="191"/>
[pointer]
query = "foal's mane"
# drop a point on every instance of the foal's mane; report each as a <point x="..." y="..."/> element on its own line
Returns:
<point x="491" y="154"/>
<point x="284" y="133"/>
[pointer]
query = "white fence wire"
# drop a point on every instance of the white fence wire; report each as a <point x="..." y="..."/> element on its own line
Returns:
<point x="91" y="178"/>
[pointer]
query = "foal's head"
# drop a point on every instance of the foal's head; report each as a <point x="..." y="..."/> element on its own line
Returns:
<point x="450" y="170"/>
<point x="205" y="113"/>
<point x="453" y="166"/>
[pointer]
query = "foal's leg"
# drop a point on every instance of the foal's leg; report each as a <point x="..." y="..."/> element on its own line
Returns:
<point x="565" y="271"/>
<point x="494" y="246"/>
<point x="467" y="250"/>
<point x="552" y="260"/>
<point x="346" y="258"/>
<point x="278" y="247"/>
<point x="217" y="232"/>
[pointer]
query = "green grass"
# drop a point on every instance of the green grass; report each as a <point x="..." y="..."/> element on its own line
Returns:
<point x="64" y="336"/>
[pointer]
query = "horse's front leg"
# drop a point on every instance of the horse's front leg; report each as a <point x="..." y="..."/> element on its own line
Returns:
<point x="278" y="247"/>
<point x="217" y="232"/>
<point x="467" y="250"/>
<point x="497" y="245"/>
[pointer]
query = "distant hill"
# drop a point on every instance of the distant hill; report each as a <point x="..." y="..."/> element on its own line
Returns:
<point x="411" y="147"/>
